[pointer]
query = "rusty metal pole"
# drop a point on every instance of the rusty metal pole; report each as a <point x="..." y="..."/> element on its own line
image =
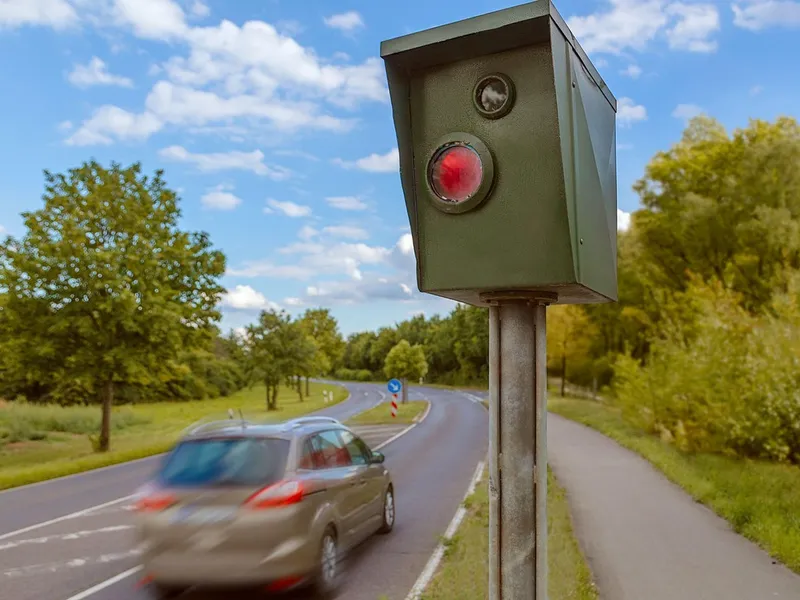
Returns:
<point x="517" y="446"/>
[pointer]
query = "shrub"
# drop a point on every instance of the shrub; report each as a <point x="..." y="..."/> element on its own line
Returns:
<point x="724" y="381"/>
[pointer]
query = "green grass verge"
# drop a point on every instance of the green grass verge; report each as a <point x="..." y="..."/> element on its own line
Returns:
<point x="62" y="446"/>
<point x="382" y="415"/>
<point x="761" y="500"/>
<point x="464" y="575"/>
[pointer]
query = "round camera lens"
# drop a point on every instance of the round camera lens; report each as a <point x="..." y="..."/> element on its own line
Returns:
<point x="494" y="96"/>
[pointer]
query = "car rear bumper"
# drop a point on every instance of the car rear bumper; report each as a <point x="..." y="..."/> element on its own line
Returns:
<point x="293" y="559"/>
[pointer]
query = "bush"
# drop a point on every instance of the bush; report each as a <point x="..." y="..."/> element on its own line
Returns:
<point x="725" y="381"/>
<point x="354" y="375"/>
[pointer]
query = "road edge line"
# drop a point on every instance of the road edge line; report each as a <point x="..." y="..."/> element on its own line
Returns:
<point x="406" y="430"/>
<point x="104" y="584"/>
<point x="429" y="571"/>
<point x="73" y="515"/>
<point x="136" y="460"/>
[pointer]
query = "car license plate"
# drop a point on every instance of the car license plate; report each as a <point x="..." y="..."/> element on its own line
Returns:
<point x="204" y="516"/>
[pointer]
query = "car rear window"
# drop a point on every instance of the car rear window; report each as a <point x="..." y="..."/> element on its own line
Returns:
<point x="226" y="462"/>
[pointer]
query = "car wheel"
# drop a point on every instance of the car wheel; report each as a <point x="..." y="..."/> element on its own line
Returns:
<point x="324" y="583"/>
<point x="388" y="511"/>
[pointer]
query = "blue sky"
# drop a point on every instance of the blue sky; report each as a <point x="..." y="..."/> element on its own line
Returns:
<point x="272" y="119"/>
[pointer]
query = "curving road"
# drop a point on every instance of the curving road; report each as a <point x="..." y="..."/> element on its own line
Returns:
<point x="71" y="538"/>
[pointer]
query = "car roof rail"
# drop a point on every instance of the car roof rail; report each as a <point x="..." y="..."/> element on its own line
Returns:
<point x="206" y="426"/>
<point x="299" y="421"/>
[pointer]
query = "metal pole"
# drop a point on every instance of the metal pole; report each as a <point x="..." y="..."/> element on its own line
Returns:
<point x="518" y="442"/>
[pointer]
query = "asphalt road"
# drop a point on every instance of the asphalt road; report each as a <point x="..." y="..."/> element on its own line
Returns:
<point x="645" y="538"/>
<point x="48" y="552"/>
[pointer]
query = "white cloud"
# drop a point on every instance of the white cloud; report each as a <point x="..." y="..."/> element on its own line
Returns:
<point x="109" y="122"/>
<point x="330" y="259"/>
<point x="200" y="9"/>
<point x="65" y="126"/>
<point x="397" y="285"/>
<point x="757" y="15"/>
<point x="152" y="19"/>
<point x="633" y="24"/>
<point x="96" y="73"/>
<point x="375" y="163"/>
<point x="696" y="23"/>
<point x="623" y="220"/>
<point x="219" y="199"/>
<point x="348" y="21"/>
<point x="222" y="161"/>
<point x="406" y="244"/>
<point x="242" y="74"/>
<point x="289" y="209"/>
<point x="244" y="297"/>
<point x="293" y="301"/>
<point x="628" y="112"/>
<point x="687" y="112"/>
<point x="307" y="232"/>
<point x="346" y="203"/>
<point x="346" y="231"/>
<point x="756" y="90"/>
<point x="3" y="230"/>
<point x="58" y="14"/>
<point x="632" y="71"/>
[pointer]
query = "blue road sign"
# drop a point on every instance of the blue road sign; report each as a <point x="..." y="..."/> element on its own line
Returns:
<point x="394" y="386"/>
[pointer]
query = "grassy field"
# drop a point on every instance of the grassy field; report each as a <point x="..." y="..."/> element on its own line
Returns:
<point x="760" y="500"/>
<point x="382" y="415"/>
<point x="464" y="575"/>
<point x="43" y="442"/>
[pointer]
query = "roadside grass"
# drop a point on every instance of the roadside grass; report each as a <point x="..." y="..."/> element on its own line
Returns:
<point x="43" y="442"/>
<point x="761" y="500"/>
<point x="382" y="415"/>
<point x="464" y="572"/>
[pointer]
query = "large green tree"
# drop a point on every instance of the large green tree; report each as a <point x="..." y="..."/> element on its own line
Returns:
<point x="405" y="361"/>
<point x="322" y="327"/>
<point x="105" y="288"/>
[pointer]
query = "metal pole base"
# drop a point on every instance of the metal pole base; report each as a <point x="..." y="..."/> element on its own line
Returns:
<point x="518" y="458"/>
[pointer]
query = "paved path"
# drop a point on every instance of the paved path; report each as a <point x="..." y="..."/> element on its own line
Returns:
<point x="62" y="554"/>
<point x="645" y="538"/>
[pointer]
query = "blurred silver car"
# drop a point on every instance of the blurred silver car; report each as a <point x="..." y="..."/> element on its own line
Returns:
<point x="236" y="503"/>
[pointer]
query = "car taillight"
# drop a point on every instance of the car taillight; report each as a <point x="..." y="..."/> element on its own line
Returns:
<point x="154" y="501"/>
<point x="282" y="493"/>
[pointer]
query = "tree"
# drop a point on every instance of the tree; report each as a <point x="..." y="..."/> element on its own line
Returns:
<point x="105" y="289"/>
<point x="723" y="206"/>
<point x="569" y="337"/>
<point x="278" y="349"/>
<point x="405" y="361"/>
<point x="321" y="326"/>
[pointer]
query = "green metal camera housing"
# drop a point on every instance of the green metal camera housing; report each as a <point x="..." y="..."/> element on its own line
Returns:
<point x="547" y="220"/>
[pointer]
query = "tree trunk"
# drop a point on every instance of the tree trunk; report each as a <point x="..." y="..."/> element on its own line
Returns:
<point x="300" y="388"/>
<point x="405" y="390"/>
<point x="274" y="398"/>
<point x="563" y="373"/>
<point x="308" y="387"/>
<point x="104" y="443"/>
<point x="268" y="395"/>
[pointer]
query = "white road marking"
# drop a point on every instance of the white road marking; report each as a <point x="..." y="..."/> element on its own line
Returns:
<point x="433" y="563"/>
<point x="125" y="574"/>
<point x="64" y="536"/>
<point x="405" y="431"/>
<point x="74" y="515"/>
<point x="70" y="564"/>
<point x="382" y="398"/>
<point x="104" y="584"/>
<point x="473" y="397"/>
